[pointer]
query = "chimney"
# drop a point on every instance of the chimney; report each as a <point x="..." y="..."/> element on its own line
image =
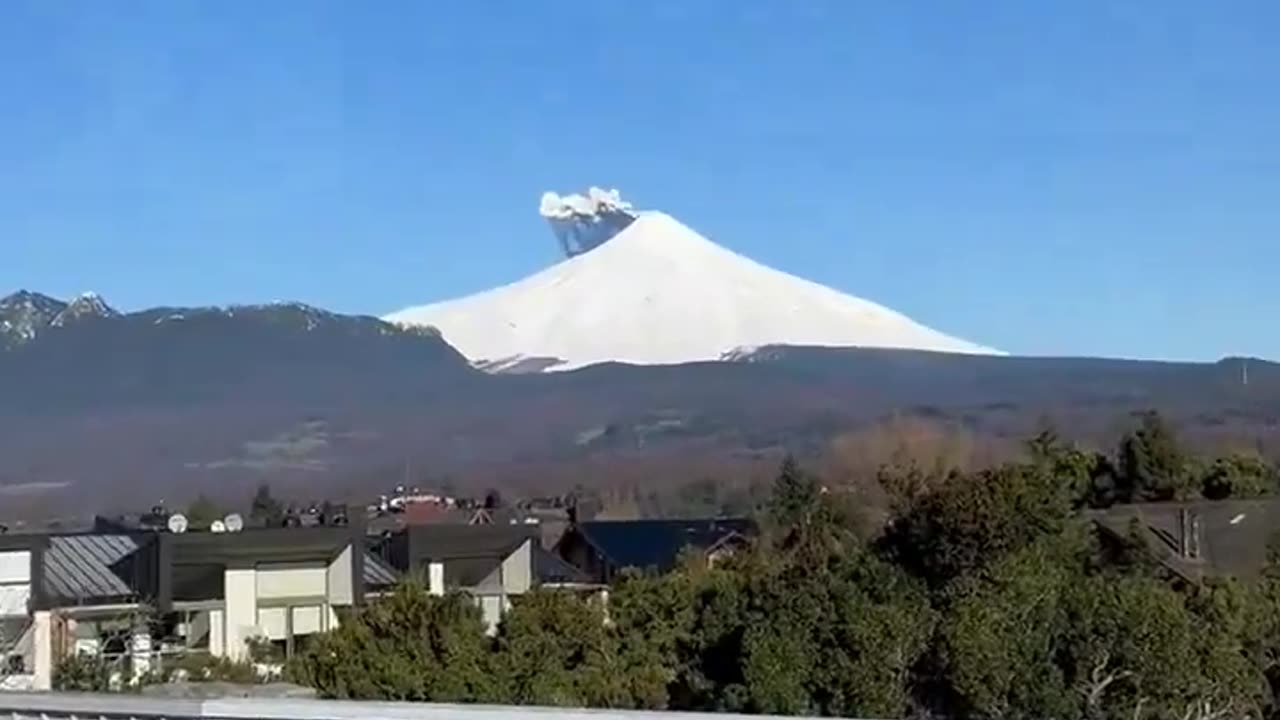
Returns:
<point x="1189" y="533"/>
<point x="435" y="578"/>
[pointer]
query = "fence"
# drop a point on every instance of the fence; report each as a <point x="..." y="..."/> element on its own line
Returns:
<point x="73" y="706"/>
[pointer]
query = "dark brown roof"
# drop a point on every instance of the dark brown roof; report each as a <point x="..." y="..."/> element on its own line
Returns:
<point x="1233" y="534"/>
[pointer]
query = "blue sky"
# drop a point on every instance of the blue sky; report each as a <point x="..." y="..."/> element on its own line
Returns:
<point x="1049" y="178"/>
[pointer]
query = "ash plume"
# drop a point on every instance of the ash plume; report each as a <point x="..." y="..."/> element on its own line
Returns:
<point x="584" y="222"/>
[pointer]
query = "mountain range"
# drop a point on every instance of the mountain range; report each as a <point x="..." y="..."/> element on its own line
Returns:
<point x="647" y="355"/>
<point x="127" y="407"/>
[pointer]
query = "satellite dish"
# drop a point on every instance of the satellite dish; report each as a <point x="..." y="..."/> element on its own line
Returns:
<point x="233" y="522"/>
<point x="177" y="523"/>
<point x="217" y="526"/>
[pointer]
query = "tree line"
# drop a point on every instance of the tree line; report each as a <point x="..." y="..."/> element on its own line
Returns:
<point x="986" y="595"/>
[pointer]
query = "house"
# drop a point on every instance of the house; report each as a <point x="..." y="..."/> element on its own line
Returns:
<point x="147" y="594"/>
<point x="19" y="565"/>
<point x="1197" y="540"/>
<point x="131" y="592"/>
<point x="600" y="549"/>
<point x="490" y="562"/>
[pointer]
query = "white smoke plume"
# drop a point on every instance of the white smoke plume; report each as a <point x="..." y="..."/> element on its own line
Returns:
<point x="584" y="222"/>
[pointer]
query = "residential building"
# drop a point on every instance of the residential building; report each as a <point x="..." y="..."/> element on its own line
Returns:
<point x="601" y="549"/>
<point x="1197" y="540"/>
<point x="145" y="594"/>
<point x="490" y="562"/>
<point x="125" y="592"/>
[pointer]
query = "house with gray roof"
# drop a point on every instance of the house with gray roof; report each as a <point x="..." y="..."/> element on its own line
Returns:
<point x="148" y="594"/>
<point x="492" y="563"/>
<point x="1197" y="540"/>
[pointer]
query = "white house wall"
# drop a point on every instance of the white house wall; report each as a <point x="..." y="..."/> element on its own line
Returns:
<point x="513" y="576"/>
<point x="259" y="601"/>
<point x="240" y="588"/>
<point x="340" y="576"/>
<point x="292" y="581"/>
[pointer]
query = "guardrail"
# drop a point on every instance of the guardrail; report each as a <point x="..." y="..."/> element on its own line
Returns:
<point x="77" y="706"/>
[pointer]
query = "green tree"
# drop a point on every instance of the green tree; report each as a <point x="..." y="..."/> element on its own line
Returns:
<point x="1089" y="476"/>
<point x="411" y="645"/>
<point x="555" y="648"/>
<point x="265" y="510"/>
<point x="1151" y="464"/>
<point x="1136" y="647"/>
<point x="203" y="511"/>
<point x="709" y="673"/>
<point x="1036" y="635"/>
<point x="1237" y="476"/>
<point x="795" y="495"/>
<point x="1000" y="636"/>
<point x="967" y="521"/>
<point x="652" y="618"/>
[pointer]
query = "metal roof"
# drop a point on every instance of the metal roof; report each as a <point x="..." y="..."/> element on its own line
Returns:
<point x="86" y="567"/>
<point x="551" y="569"/>
<point x="1233" y="534"/>
<point x="657" y="543"/>
<point x="467" y="542"/>
<point x="377" y="573"/>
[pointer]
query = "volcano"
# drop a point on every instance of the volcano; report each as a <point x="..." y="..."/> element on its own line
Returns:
<point x="655" y="292"/>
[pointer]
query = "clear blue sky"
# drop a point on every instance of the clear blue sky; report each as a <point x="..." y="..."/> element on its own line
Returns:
<point x="1064" y="178"/>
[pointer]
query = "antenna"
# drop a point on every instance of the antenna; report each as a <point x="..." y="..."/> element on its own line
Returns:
<point x="178" y="523"/>
<point x="217" y="526"/>
<point x="233" y="522"/>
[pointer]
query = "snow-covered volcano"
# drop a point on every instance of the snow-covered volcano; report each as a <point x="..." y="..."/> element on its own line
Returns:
<point x="656" y="292"/>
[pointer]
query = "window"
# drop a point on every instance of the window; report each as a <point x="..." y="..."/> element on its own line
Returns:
<point x="288" y="627"/>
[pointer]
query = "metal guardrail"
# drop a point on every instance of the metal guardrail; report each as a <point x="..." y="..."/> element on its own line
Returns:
<point x="77" y="706"/>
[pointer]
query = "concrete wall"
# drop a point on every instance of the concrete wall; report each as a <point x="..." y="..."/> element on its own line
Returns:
<point x="240" y="588"/>
<point x="261" y="601"/>
<point x="275" y="581"/>
<point x="217" y="632"/>
<point x="513" y="576"/>
<point x="517" y="570"/>
<point x="435" y="578"/>
<point x="43" y="649"/>
<point x="341" y="578"/>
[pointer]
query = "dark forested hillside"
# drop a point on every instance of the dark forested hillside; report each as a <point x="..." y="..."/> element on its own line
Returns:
<point x="104" y="405"/>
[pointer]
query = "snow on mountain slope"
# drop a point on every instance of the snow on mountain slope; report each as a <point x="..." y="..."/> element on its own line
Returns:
<point x="660" y="293"/>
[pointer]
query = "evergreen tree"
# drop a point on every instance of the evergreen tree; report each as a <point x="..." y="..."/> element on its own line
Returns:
<point x="556" y="649"/>
<point x="265" y="510"/>
<point x="1152" y="465"/>
<point x="203" y="511"/>
<point x="411" y="645"/>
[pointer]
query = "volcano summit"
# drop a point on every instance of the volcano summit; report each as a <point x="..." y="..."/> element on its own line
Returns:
<point x="639" y="287"/>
